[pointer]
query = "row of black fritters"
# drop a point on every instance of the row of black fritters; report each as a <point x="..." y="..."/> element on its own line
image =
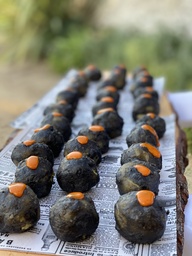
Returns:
<point x="34" y="159"/>
<point x="140" y="217"/>
<point x="73" y="178"/>
<point x="78" y="173"/>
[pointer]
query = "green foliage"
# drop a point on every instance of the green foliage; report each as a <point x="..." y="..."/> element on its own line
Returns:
<point x="70" y="51"/>
<point x="83" y="47"/>
<point x="165" y="54"/>
<point x="28" y="26"/>
<point x="188" y="132"/>
<point x="63" y="33"/>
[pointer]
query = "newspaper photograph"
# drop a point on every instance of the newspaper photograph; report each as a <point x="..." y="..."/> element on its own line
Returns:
<point x="106" y="241"/>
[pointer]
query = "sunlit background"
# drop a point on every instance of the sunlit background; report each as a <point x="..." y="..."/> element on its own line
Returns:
<point x="74" y="33"/>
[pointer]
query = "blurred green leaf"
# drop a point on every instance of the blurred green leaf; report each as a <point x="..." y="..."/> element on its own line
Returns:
<point x="63" y="33"/>
<point x="28" y="27"/>
<point x="188" y="132"/>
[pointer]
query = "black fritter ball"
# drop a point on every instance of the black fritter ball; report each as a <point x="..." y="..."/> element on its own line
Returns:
<point x="37" y="173"/>
<point x="105" y="102"/>
<point x="143" y="133"/>
<point x="108" y="91"/>
<point x="142" y="90"/>
<point x="52" y="138"/>
<point x="137" y="175"/>
<point x="98" y="134"/>
<point x="70" y="95"/>
<point x="19" y="208"/>
<point x="138" y="70"/>
<point x="118" y="74"/>
<point x="80" y="83"/>
<point x="144" y="104"/>
<point x="85" y="145"/>
<point x="74" y="217"/>
<point x="157" y="122"/>
<point x="77" y="173"/>
<point x="144" y="152"/>
<point x="93" y="73"/>
<point x="30" y="147"/>
<point x="106" y="82"/>
<point x="110" y="120"/>
<point x="122" y="68"/>
<point x="62" y="107"/>
<point x="142" y="80"/>
<point x="140" y="218"/>
<point x="59" y="122"/>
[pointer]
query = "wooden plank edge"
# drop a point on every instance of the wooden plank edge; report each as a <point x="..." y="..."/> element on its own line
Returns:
<point x="181" y="187"/>
<point x="181" y="181"/>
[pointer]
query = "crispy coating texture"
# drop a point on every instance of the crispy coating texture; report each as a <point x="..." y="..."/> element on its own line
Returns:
<point x="18" y="214"/>
<point x="143" y="105"/>
<point x="73" y="220"/>
<point x="128" y="178"/>
<point x="89" y="149"/>
<point x="77" y="174"/>
<point x="52" y="138"/>
<point x="111" y="121"/>
<point x="135" y="151"/>
<point x="21" y="152"/>
<point x="60" y="124"/>
<point x="101" y="138"/>
<point x="139" y="224"/>
<point x="157" y="122"/>
<point x="71" y="96"/>
<point x="66" y="110"/>
<point x="39" y="180"/>
<point x="138" y="134"/>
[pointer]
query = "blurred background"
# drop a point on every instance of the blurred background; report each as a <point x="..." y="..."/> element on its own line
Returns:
<point x="41" y="40"/>
<point x="74" y="33"/>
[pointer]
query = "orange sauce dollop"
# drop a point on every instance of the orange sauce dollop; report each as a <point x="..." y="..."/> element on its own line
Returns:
<point x="145" y="197"/>
<point x="152" y="115"/>
<point x="151" y="130"/>
<point x="74" y="155"/>
<point x="142" y="169"/>
<point x="107" y="99"/>
<point x="17" y="189"/>
<point x="32" y="162"/>
<point x="28" y="142"/>
<point x="153" y="150"/>
<point x="55" y="114"/>
<point x="75" y="195"/>
<point x="96" y="128"/>
<point x="149" y="89"/>
<point x="110" y="88"/>
<point x="82" y="139"/>
<point x="103" y="110"/>
<point x="146" y="95"/>
<point x="45" y="127"/>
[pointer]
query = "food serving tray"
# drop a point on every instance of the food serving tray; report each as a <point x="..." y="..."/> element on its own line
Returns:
<point x="106" y="240"/>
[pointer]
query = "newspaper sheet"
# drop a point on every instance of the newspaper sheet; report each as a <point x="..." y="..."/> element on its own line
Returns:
<point x="106" y="240"/>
